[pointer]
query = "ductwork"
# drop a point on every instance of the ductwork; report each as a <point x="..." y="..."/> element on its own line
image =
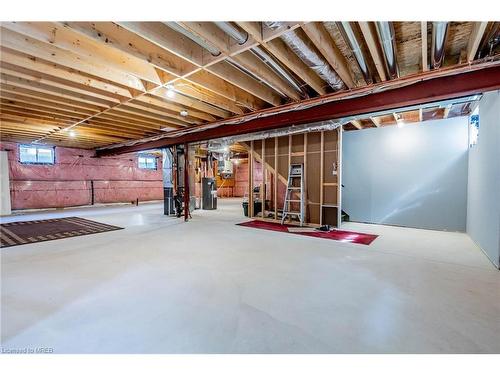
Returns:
<point x="295" y="129"/>
<point x="349" y="36"/>
<point x="195" y="38"/>
<point x="439" y="32"/>
<point x="387" y="38"/>
<point x="307" y="53"/>
<point x="242" y="36"/>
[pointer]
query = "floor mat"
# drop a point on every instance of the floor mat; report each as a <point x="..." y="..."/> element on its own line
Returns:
<point x="337" y="235"/>
<point x="24" y="232"/>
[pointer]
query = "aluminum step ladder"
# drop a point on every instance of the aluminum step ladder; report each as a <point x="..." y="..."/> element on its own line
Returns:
<point x="295" y="174"/>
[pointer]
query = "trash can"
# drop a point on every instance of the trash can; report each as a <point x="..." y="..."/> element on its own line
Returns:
<point x="245" y="208"/>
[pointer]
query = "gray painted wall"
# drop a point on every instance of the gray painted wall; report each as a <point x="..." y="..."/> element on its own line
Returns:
<point x="414" y="176"/>
<point x="483" y="210"/>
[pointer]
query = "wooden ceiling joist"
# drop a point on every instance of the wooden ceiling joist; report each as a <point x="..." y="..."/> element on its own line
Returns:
<point x="114" y="80"/>
<point x="369" y="33"/>
<point x="475" y="39"/>
<point x="46" y="51"/>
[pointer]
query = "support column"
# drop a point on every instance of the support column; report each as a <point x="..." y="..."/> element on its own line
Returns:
<point x="168" y="184"/>
<point x="186" y="182"/>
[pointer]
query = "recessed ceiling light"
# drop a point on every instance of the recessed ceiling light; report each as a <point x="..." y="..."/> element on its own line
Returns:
<point x="72" y="133"/>
<point x="184" y="113"/>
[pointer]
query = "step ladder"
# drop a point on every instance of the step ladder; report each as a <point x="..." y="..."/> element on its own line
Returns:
<point x="295" y="174"/>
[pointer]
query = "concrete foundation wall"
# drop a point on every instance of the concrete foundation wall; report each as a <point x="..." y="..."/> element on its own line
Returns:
<point x="483" y="209"/>
<point x="68" y="182"/>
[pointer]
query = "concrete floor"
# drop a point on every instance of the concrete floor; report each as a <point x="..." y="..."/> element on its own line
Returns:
<point x="209" y="286"/>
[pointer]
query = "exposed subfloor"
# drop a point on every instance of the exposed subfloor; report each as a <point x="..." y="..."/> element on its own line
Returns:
<point x="209" y="286"/>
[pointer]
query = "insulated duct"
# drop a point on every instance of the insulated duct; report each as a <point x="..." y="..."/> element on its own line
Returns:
<point x="349" y="36"/>
<point x="439" y="33"/>
<point x="308" y="54"/>
<point x="387" y="38"/>
<point x="242" y="36"/>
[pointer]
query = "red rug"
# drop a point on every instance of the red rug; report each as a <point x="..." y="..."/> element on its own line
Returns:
<point x="337" y="235"/>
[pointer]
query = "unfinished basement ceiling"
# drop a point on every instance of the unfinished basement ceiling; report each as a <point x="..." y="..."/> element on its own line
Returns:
<point x="112" y="82"/>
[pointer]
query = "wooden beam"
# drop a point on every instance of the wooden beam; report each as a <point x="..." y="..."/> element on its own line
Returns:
<point x="60" y="72"/>
<point x="446" y="111"/>
<point x="225" y="89"/>
<point x="376" y="121"/>
<point x="259" y="69"/>
<point x="33" y="47"/>
<point x="181" y="100"/>
<point x="367" y="29"/>
<point x="168" y="39"/>
<point x="402" y="92"/>
<point x="357" y="124"/>
<point x="475" y="39"/>
<point x="63" y="37"/>
<point x="236" y="77"/>
<point x="206" y="96"/>
<point x="114" y="36"/>
<point x="423" y="35"/>
<point x="320" y="37"/>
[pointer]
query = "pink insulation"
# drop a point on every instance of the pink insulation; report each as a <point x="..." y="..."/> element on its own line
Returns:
<point x="68" y="181"/>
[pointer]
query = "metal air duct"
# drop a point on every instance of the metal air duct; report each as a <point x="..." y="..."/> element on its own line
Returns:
<point x="242" y="36"/>
<point x="308" y="54"/>
<point x="349" y="36"/>
<point x="195" y="38"/>
<point x="439" y="33"/>
<point x="387" y="38"/>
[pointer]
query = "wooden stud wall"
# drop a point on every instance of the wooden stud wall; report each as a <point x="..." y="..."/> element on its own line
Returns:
<point x="320" y="153"/>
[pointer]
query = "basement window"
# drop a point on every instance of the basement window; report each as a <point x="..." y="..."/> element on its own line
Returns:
<point x="147" y="162"/>
<point x="31" y="154"/>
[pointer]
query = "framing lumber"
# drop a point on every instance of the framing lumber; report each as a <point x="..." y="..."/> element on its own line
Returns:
<point x="367" y="29"/>
<point x="475" y="39"/>
<point x="437" y="86"/>
<point x="423" y="37"/>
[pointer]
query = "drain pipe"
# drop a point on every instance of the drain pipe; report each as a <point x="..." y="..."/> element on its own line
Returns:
<point x="385" y="31"/>
<point x="349" y="36"/>
<point x="439" y="33"/>
<point x="242" y="36"/>
<point x="307" y="53"/>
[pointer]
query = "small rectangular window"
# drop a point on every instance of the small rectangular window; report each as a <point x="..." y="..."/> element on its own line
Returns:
<point x="147" y="162"/>
<point x="31" y="154"/>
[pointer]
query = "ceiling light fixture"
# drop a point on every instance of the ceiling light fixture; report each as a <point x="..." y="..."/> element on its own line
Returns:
<point x="184" y="113"/>
<point x="72" y="133"/>
<point x="170" y="91"/>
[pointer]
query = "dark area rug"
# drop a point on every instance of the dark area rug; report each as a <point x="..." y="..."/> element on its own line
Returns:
<point x="24" y="232"/>
<point x="337" y="235"/>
